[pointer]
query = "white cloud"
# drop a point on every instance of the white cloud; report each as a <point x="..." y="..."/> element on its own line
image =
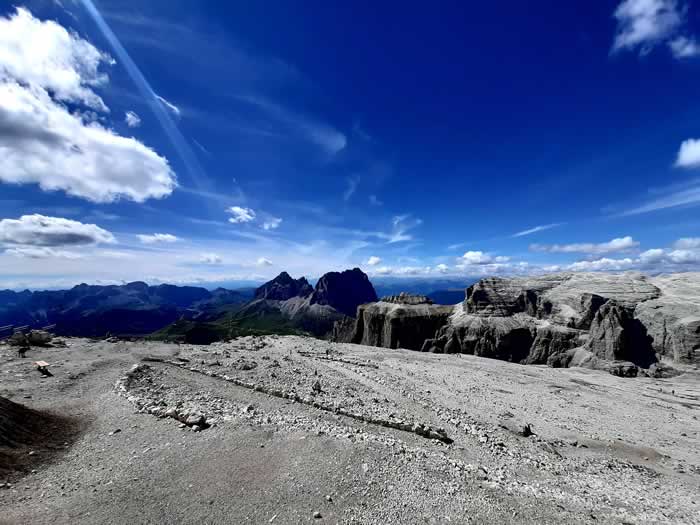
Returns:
<point x="602" y="265"/>
<point x="684" y="256"/>
<point x="169" y="106"/>
<point x="42" y="142"/>
<point x="132" y="119"/>
<point x="210" y="258"/>
<point x="374" y="260"/>
<point x="684" y="47"/>
<point x="272" y="223"/>
<point x="43" y="231"/>
<point x="352" y="183"/>
<point x="241" y="215"/>
<point x="39" y="252"/>
<point x="442" y="268"/>
<point x="687" y="243"/>
<point x="536" y="229"/>
<point x="652" y="256"/>
<point x="689" y="154"/>
<point x="157" y="238"/>
<point x="264" y="261"/>
<point x="620" y="244"/>
<point x="47" y="56"/>
<point x="401" y="224"/>
<point x="645" y="23"/>
<point x="478" y="257"/>
<point x="374" y="201"/>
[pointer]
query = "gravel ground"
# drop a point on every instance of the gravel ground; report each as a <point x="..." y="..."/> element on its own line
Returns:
<point x="298" y="430"/>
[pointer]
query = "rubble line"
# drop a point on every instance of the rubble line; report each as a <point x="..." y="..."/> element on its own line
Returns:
<point x="416" y="428"/>
<point x="337" y="360"/>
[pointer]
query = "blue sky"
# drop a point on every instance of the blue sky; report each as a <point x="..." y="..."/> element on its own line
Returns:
<point x="228" y="141"/>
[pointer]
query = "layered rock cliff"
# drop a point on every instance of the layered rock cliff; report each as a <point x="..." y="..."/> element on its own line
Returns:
<point x="335" y="298"/>
<point x="613" y="321"/>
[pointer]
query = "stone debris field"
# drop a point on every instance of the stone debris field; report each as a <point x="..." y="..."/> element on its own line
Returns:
<point x="299" y="430"/>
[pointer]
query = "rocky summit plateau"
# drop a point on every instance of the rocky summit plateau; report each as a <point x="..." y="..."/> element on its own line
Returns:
<point x="601" y="426"/>
<point x="625" y="323"/>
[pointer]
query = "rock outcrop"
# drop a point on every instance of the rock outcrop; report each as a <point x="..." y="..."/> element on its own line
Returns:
<point x="398" y="325"/>
<point x="294" y="304"/>
<point x="283" y="287"/>
<point x="618" y="322"/>
<point x="344" y="291"/>
<point x="406" y="298"/>
<point x="673" y="319"/>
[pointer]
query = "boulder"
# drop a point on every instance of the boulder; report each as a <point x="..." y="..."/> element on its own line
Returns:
<point x="39" y="338"/>
<point x="18" y="339"/>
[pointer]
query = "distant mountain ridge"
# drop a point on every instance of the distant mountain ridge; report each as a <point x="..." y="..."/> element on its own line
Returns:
<point x="93" y="310"/>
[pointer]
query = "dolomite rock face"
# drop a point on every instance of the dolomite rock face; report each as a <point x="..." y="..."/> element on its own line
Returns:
<point x="673" y="319"/>
<point x="397" y="325"/>
<point x="617" y="322"/>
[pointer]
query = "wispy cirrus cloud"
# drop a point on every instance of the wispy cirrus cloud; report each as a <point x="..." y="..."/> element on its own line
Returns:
<point x="169" y="106"/>
<point x="536" y="229"/>
<point x="327" y="137"/>
<point x="673" y="196"/>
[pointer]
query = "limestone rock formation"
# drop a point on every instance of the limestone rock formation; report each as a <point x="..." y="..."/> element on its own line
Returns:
<point x="283" y="287"/>
<point x="344" y="291"/>
<point x="673" y="319"/>
<point x="617" y="322"/>
<point x="335" y="298"/>
<point x="398" y="325"/>
<point x="406" y="298"/>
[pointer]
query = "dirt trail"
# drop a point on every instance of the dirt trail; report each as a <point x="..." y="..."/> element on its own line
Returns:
<point x="605" y="449"/>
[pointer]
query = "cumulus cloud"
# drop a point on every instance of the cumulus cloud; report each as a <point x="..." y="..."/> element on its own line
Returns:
<point x="46" y="55"/>
<point x="684" y="47"/>
<point x="442" y="268"/>
<point x="43" y="66"/>
<point x="169" y="106"/>
<point x="210" y="258"/>
<point x="50" y="232"/>
<point x="603" y="264"/>
<point x="241" y="215"/>
<point x="689" y="154"/>
<point x="374" y="260"/>
<point x="687" y="243"/>
<point x="264" y="261"/>
<point x="156" y="238"/>
<point x="620" y="244"/>
<point x="478" y="257"/>
<point x="132" y="119"/>
<point x="645" y="24"/>
<point x="272" y="223"/>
